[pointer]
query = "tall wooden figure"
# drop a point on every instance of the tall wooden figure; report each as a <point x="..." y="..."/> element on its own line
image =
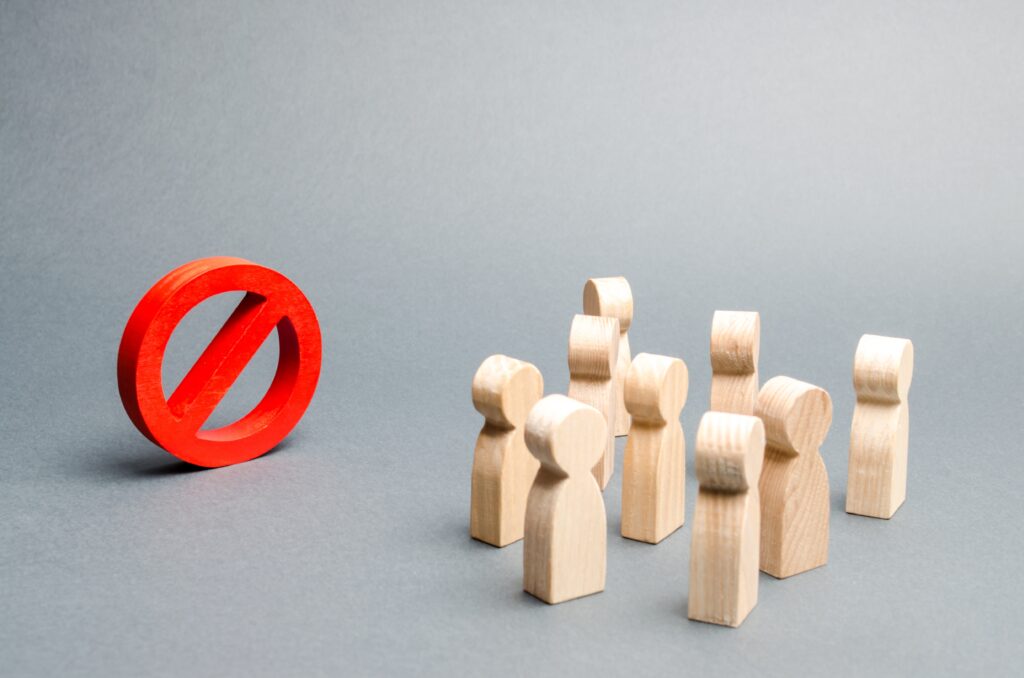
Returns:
<point x="613" y="298"/>
<point x="565" y="547"/>
<point x="735" y="345"/>
<point x="593" y="351"/>
<point x="876" y="482"/>
<point x="794" y="483"/>
<point x="654" y="470"/>
<point x="726" y="524"/>
<point x="504" y="391"/>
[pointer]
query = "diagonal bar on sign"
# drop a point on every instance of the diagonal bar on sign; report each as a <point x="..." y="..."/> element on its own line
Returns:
<point x="209" y="380"/>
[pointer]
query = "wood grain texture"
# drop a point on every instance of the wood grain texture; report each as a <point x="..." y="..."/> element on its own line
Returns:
<point x="593" y="354"/>
<point x="876" y="484"/>
<point x="654" y="469"/>
<point x="613" y="298"/>
<point x="794" y="483"/>
<point x="724" y="552"/>
<point x="565" y="546"/>
<point x="504" y="391"/>
<point x="735" y="347"/>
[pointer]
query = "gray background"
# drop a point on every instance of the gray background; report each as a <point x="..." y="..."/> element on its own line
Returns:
<point x="441" y="178"/>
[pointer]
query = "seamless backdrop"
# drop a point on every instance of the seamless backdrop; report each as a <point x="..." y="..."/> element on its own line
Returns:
<point x="441" y="178"/>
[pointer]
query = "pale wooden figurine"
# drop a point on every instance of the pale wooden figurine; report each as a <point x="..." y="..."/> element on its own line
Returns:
<point x="593" y="351"/>
<point x="724" y="550"/>
<point x="794" y="483"/>
<point x="613" y="298"/>
<point x="654" y="469"/>
<point x="735" y="345"/>
<point x="565" y="546"/>
<point x="504" y="390"/>
<point x="876" y="482"/>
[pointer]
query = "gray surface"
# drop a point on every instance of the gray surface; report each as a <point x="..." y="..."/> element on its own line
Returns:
<point x="441" y="178"/>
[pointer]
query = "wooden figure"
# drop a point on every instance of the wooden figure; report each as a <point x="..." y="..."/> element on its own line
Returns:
<point x="504" y="390"/>
<point x="654" y="469"/>
<point x="593" y="351"/>
<point x="735" y="345"/>
<point x="794" y="483"/>
<point x="877" y="477"/>
<point x="726" y="525"/>
<point x="613" y="298"/>
<point x="565" y="547"/>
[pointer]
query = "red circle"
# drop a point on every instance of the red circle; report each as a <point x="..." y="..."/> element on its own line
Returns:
<point x="175" y="423"/>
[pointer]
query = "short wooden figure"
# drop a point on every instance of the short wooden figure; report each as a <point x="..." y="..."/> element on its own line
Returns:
<point x="735" y="345"/>
<point x="504" y="391"/>
<point x="876" y="483"/>
<point x="726" y="524"/>
<point x="613" y="298"/>
<point x="565" y="547"/>
<point x="794" y="483"/>
<point x="593" y="352"/>
<point x="654" y="470"/>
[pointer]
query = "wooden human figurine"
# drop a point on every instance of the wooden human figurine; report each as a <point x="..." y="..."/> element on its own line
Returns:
<point x="593" y="351"/>
<point x="735" y="345"/>
<point x="565" y="546"/>
<point x="504" y="390"/>
<point x="794" y="483"/>
<point x="876" y="482"/>
<point x="613" y="298"/>
<point x="654" y="469"/>
<point x="726" y="524"/>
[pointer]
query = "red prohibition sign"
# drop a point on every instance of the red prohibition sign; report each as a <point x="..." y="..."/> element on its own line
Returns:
<point x="175" y="423"/>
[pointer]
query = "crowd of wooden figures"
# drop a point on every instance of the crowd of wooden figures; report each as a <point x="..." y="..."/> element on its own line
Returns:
<point x="541" y="463"/>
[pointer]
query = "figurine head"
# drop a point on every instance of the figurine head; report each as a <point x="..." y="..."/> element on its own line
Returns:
<point x="735" y="342"/>
<point x="609" y="297"/>
<point x="566" y="436"/>
<point x="593" y="347"/>
<point x="796" y="415"/>
<point x="656" y="388"/>
<point x="883" y="368"/>
<point x="504" y="390"/>
<point x="730" y="451"/>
